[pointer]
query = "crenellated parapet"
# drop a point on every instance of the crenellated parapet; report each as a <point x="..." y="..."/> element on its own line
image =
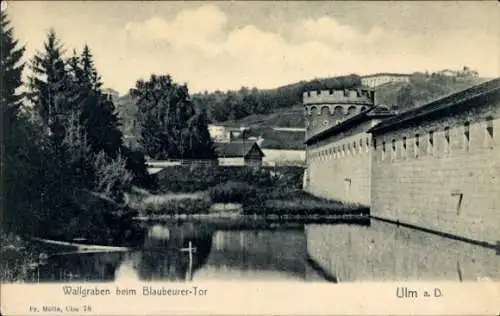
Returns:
<point x="324" y="109"/>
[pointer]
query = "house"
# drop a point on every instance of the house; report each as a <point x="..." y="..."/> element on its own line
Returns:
<point x="219" y="133"/>
<point x="378" y="79"/>
<point x="239" y="153"/>
<point x="111" y="94"/>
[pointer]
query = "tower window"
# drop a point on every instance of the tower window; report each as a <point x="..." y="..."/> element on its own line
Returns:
<point x="383" y="150"/>
<point x="308" y="93"/>
<point x="374" y="143"/>
<point x="318" y="92"/>
<point x="331" y="91"/>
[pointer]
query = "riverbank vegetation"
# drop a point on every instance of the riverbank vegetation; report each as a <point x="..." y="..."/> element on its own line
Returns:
<point x="65" y="168"/>
<point x="261" y="191"/>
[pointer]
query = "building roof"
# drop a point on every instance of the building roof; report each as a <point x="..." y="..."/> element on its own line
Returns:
<point x="440" y="107"/>
<point x="109" y="90"/>
<point x="238" y="149"/>
<point x="370" y="113"/>
<point x="386" y="74"/>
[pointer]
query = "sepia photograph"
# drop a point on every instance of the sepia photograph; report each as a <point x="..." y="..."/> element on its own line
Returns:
<point x="328" y="143"/>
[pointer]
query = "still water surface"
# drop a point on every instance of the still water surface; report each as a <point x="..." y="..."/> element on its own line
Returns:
<point x="298" y="253"/>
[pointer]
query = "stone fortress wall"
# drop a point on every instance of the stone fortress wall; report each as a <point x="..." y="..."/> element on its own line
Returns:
<point x="441" y="173"/>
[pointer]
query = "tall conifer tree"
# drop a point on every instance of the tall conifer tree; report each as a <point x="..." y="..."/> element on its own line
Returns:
<point x="18" y="140"/>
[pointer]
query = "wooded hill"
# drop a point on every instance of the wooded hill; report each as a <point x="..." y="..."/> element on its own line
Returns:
<point x="261" y="110"/>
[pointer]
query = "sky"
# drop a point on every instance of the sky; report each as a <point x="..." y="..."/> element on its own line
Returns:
<point x="226" y="45"/>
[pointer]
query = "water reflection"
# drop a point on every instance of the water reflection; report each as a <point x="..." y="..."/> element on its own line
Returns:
<point x="386" y="252"/>
<point x="180" y="251"/>
<point x="256" y="255"/>
<point x="173" y="252"/>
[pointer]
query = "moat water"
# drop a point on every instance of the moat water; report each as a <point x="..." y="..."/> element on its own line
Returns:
<point x="321" y="252"/>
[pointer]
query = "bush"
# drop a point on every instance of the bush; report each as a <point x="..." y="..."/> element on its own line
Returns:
<point x="232" y="192"/>
<point x="112" y="177"/>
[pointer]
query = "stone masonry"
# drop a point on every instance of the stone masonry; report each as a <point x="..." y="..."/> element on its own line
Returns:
<point x="442" y="174"/>
<point x="436" y="167"/>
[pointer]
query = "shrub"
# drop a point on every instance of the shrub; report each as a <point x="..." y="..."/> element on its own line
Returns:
<point x="232" y="191"/>
<point x="112" y="177"/>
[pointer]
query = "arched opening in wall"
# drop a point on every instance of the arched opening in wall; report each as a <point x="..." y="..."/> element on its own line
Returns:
<point x="338" y="111"/>
<point x="351" y="110"/>
<point x="314" y="110"/>
<point x="325" y="110"/>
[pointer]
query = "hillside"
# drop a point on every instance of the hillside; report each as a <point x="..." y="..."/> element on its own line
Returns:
<point x="234" y="105"/>
<point x="420" y="90"/>
<point x="281" y="107"/>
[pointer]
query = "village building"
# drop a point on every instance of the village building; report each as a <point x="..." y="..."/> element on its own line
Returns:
<point x="284" y="157"/>
<point x="219" y="133"/>
<point x="378" y="79"/>
<point x="239" y="153"/>
<point x="111" y="94"/>
<point x="438" y="166"/>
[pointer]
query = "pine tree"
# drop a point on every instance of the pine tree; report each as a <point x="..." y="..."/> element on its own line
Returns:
<point x="51" y="86"/>
<point x="100" y="118"/>
<point x="98" y="114"/>
<point x="10" y="81"/>
<point x="19" y="140"/>
<point x="11" y="69"/>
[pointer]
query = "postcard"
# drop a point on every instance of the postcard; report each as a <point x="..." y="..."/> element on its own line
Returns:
<point x="245" y="157"/>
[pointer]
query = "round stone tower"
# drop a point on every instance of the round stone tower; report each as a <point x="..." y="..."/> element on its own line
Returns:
<point x="324" y="109"/>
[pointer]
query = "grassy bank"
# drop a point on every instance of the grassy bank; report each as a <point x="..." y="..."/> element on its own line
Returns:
<point x="260" y="193"/>
<point x="283" y="201"/>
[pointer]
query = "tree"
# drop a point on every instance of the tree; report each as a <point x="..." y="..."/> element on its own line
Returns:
<point x="52" y="90"/>
<point x="11" y="69"/>
<point x="164" y="108"/>
<point x="201" y="145"/>
<point x="14" y="149"/>
<point x="98" y="115"/>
